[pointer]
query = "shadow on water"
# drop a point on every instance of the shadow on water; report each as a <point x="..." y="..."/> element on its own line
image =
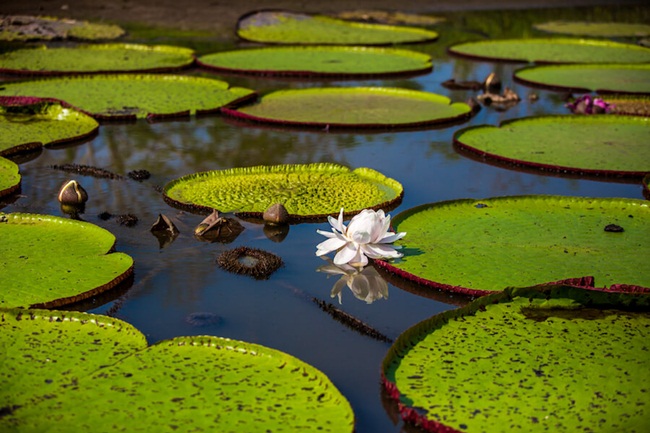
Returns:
<point x="292" y="310"/>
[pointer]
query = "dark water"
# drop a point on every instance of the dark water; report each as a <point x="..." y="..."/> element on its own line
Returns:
<point x="173" y="282"/>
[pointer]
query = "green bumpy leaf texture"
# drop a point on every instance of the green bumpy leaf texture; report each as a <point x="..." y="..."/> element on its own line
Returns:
<point x="304" y="190"/>
<point x="537" y="361"/>
<point x="288" y="28"/>
<point x="9" y="177"/>
<point x="630" y="78"/>
<point x="106" y="95"/>
<point x="595" y="29"/>
<point x="47" y="259"/>
<point x="555" y="50"/>
<point x="356" y="106"/>
<point x="596" y="143"/>
<point x="319" y="60"/>
<point x="97" y="58"/>
<point x="187" y="383"/>
<point x="31" y="126"/>
<point x="501" y="242"/>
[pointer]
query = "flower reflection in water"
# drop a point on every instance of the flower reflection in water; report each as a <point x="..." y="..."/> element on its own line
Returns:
<point x="365" y="282"/>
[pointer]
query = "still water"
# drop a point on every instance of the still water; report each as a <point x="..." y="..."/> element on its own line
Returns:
<point x="182" y="278"/>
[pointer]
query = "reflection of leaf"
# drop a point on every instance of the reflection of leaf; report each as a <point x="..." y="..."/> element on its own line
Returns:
<point x="553" y="358"/>
<point x="365" y="283"/>
<point x="96" y="373"/>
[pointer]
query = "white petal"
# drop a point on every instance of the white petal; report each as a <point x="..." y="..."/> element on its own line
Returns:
<point x="391" y="237"/>
<point x="378" y="251"/>
<point x="337" y="224"/>
<point x="326" y="234"/>
<point x="346" y="254"/>
<point x="332" y="244"/>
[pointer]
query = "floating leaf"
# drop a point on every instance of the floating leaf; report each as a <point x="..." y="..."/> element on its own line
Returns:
<point x="26" y="27"/>
<point x="9" y="177"/>
<point x="595" y="29"/>
<point x="554" y="50"/>
<point x="597" y="144"/>
<point x="609" y="78"/>
<point x="481" y="246"/>
<point x="556" y="359"/>
<point x="29" y="123"/>
<point x="133" y="95"/>
<point x="352" y="107"/>
<point x="284" y="27"/>
<point x="390" y="17"/>
<point x="309" y="191"/>
<point x="318" y="61"/>
<point x="96" y="58"/>
<point x="86" y="371"/>
<point x="50" y="261"/>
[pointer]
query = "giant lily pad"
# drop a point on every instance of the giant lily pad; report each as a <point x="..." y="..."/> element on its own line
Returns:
<point x="595" y="29"/>
<point x="96" y="58"/>
<point x="352" y="107"/>
<point x="133" y="95"/>
<point x="609" y="78"/>
<point x="96" y="373"/>
<point x="598" y="144"/>
<point x="284" y="27"/>
<point x="9" y="177"/>
<point x="319" y="61"/>
<point x="480" y="246"/>
<point x="27" y="27"/>
<point x="29" y="123"/>
<point x="556" y="359"/>
<point x="309" y="191"/>
<point x="554" y="50"/>
<point x="50" y="261"/>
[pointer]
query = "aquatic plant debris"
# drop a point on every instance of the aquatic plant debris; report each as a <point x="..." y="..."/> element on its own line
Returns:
<point x="28" y="27"/>
<point x="254" y="262"/>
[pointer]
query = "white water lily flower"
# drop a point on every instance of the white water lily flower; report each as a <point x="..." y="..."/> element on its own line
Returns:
<point x="365" y="237"/>
<point x="365" y="283"/>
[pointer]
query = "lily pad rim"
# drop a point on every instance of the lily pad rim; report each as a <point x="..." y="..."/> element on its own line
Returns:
<point x="257" y="217"/>
<point x="411" y="415"/>
<point x="353" y="23"/>
<point x="586" y="282"/>
<point x="12" y="189"/>
<point x="560" y="88"/>
<point x="506" y="161"/>
<point x="105" y="46"/>
<point x="316" y="74"/>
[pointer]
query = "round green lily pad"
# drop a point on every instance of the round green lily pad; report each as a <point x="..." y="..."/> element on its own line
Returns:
<point x="27" y="27"/>
<point x="554" y="50"/>
<point x="480" y="246"/>
<point x="595" y="29"/>
<point x="352" y="107"/>
<point x="96" y="373"/>
<point x="115" y="96"/>
<point x="307" y="191"/>
<point x="284" y="27"/>
<point x="555" y="359"/>
<point x="29" y="123"/>
<point x="96" y="58"/>
<point x="9" y="177"/>
<point x="596" y="144"/>
<point x="50" y="261"/>
<point x="318" y="61"/>
<point x="602" y="78"/>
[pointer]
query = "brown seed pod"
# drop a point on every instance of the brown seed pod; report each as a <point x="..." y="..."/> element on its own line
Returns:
<point x="276" y="214"/>
<point x="258" y="264"/>
<point x="71" y="193"/>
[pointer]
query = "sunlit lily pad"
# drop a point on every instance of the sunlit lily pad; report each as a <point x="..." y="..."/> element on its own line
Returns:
<point x="95" y="373"/>
<point x="555" y="359"/>
<point x="352" y="107"/>
<point x="480" y="246"/>
<point x="319" y="61"/>
<point x="596" y="144"/>
<point x="29" y="123"/>
<point x="133" y="95"/>
<point x="9" y="177"/>
<point x="309" y="191"/>
<point x="95" y="58"/>
<point x="50" y="261"/>
<point x="595" y="29"/>
<point x="284" y="27"/>
<point x="27" y="27"/>
<point x="554" y="50"/>
<point x="610" y="78"/>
